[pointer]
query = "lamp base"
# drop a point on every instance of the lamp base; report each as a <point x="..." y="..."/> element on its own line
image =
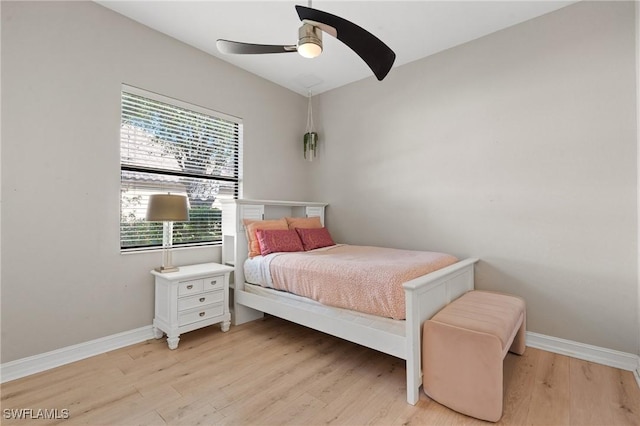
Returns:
<point x="165" y="269"/>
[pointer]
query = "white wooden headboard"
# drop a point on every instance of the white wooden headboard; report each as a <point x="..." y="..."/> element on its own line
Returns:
<point x="234" y="240"/>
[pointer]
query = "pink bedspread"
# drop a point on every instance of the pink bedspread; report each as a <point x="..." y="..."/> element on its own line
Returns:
<point x="361" y="278"/>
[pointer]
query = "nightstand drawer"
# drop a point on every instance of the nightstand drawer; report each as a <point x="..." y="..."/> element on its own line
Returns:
<point x="206" y="312"/>
<point x="200" y="300"/>
<point x="214" y="283"/>
<point x="186" y="288"/>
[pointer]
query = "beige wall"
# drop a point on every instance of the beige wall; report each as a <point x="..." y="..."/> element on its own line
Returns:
<point x="638" y="159"/>
<point x="518" y="148"/>
<point x="64" y="280"/>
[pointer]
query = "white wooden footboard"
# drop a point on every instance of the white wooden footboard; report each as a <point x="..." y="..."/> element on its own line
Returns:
<point x="424" y="297"/>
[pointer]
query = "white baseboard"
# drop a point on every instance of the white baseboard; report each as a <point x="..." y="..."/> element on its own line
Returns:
<point x="37" y="363"/>
<point x="609" y="357"/>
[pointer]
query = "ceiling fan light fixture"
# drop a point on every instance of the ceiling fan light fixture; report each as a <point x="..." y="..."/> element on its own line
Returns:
<point x="309" y="41"/>
<point x="377" y="55"/>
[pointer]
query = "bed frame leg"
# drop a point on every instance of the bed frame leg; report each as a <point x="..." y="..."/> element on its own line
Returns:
<point x="242" y="314"/>
<point x="413" y="385"/>
<point x="413" y="395"/>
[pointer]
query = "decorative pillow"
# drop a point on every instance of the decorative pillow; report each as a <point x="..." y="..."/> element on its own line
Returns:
<point x="251" y="226"/>
<point x="278" y="240"/>
<point x="304" y="222"/>
<point x="315" y="238"/>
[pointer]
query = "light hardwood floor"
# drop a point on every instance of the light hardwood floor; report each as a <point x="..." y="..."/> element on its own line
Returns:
<point x="272" y="372"/>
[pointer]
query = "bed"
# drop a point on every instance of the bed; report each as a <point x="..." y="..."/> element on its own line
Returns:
<point x="423" y="296"/>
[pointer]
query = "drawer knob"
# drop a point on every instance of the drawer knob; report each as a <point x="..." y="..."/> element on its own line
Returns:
<point x="190" y="286"/>
<point x="202" y="299"/>
<point x="214" y="282"/>
<point x="201" y="314"/>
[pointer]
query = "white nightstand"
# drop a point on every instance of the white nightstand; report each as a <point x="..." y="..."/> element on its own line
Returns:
<point x="193" y="297"/>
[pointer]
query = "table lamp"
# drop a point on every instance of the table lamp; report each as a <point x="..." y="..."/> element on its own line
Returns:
<point x="167" y="208"/>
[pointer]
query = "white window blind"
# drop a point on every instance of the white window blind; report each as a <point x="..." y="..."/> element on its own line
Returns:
<point x="168" y="146"/>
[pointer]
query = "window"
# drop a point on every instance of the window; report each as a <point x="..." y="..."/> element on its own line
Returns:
<point x="168" y="146"/>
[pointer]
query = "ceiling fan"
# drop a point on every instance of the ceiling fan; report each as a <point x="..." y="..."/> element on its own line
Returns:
<point x="377" y="55"/>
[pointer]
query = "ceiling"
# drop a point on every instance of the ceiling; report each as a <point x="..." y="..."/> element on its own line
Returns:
<point x="413" y="29"/>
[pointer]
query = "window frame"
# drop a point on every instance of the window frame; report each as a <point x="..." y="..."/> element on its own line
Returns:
<point x="236" y="181"/>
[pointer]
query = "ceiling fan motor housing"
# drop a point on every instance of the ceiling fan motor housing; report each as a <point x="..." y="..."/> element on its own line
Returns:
<point x="309" y="41"/>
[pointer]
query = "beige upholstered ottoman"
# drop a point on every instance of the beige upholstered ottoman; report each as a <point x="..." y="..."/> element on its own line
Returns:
<point x="463" y="348"/>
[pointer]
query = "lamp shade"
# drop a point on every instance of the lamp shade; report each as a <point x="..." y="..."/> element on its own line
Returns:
<point x="167" y="207"/>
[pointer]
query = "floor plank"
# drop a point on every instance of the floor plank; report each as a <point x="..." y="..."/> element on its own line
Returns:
<point x="519" y="382"/>
<point x="583" y="376"/>
<point x="550" y="398"/>
<point x="625" y="399"/>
